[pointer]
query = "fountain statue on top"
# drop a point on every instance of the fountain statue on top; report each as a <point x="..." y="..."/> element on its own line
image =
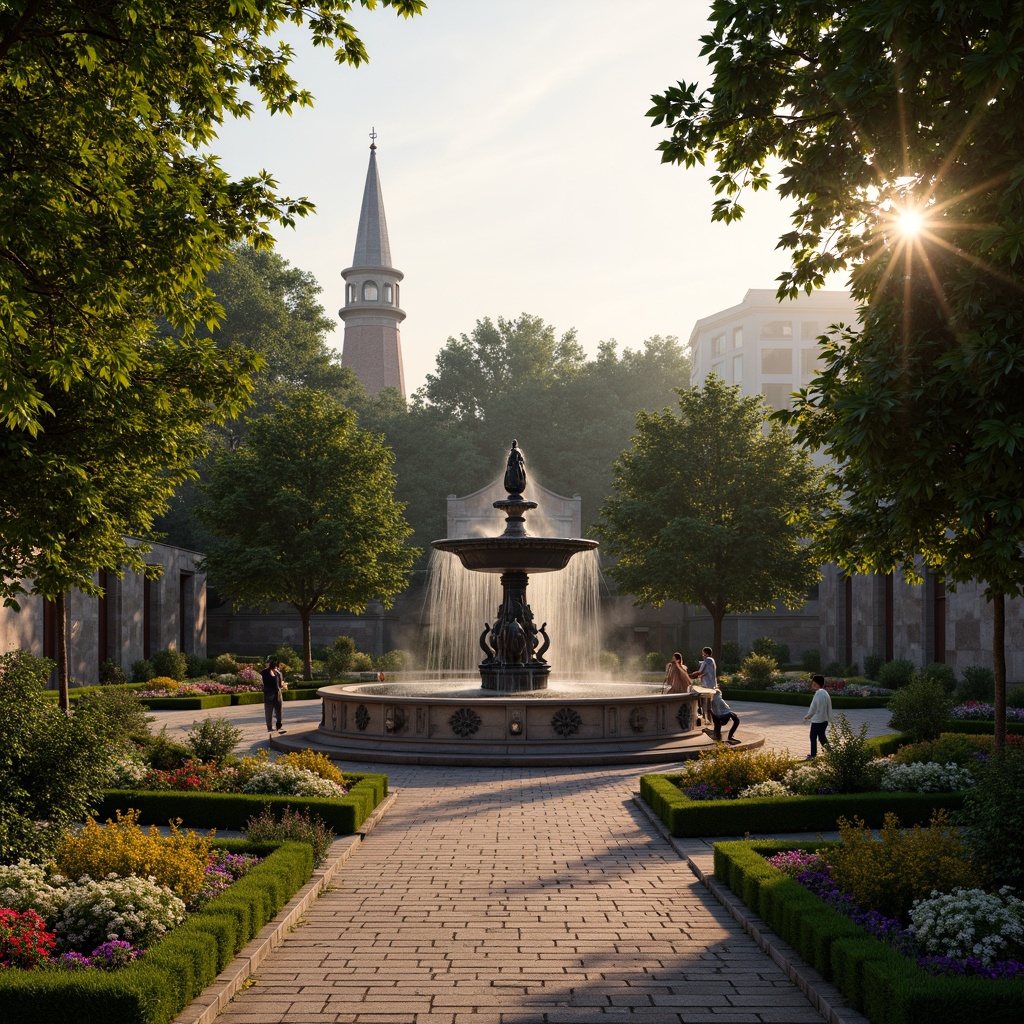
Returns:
<point x="513" y="645"/>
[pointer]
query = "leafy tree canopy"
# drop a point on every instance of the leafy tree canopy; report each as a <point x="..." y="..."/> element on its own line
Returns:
<point x="572" y="415"/>
<point x="703" y="505"/>
<point x="115" y="212"/>
<point x="895" y="130"/>
<point x="303" y="512"/>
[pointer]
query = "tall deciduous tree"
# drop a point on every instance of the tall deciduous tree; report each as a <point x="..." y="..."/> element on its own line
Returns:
<point x="881" y="119"/>
<point x="303" y="512"/>
<point x="79" y="494"/>
<point x="114" y="213"/>
<point x="703" y="508"/>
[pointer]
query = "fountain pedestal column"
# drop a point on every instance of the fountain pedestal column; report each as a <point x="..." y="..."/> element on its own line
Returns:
<point x="514" y="662"/>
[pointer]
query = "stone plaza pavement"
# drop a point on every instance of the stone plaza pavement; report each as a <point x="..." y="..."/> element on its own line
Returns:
<point x="522" y="896"/>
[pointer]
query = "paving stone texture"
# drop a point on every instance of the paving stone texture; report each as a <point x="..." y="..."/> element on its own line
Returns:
<point x="518" y="896"/>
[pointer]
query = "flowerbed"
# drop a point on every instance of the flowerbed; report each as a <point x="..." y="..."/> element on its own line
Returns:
<point x="862" y="954"/>
<point x="836" y="688"/>
<point x="976" y="711"/>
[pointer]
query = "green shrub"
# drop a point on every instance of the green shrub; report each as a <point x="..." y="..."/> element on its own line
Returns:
<point x="729" y="657"/>
<point x="979" y="683"/>
<point x="840" y="669"/>
<point x="53" y="765"/>
<point x="111" y="674"/>
<point x="895" y="674"/>
<point x="361" y="662"/>
<point x="289" y="658"/>
<point x="142" y="671"/>
<point x="609" y="662"/>
<point x="339" y="657"/>
<point x="729" y="770"/>
<point x="197" y="667"/>
<point x="1015" y="696"/>
<point x="225" y="664"/>
<point x="766" y="646"/>
<point x="164" y="753"/>
<point x="758" y="671"/>
<point x="902" y="865"/>
<point x="847" y="764"/>
<point x="920" y="709"/>
<point x="392" y="661"/>
<point x="169" y="663"/>
<point x="873" y="666"/>
<point x="948" y="748"/>
<point x="942" y="674"/>
<point x="124" y="716"/>
<point x="213" y="739"/>
<point x="655" y="661"/>
<point x="993" y="816"/>
<point x="810" y="661"/>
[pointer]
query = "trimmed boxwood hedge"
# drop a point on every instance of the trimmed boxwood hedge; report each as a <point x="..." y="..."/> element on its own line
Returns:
<point x="801" y="699"/>
<point x="880" y="983"/>
<point x="175" y="969"/>
<point x="231" y="811"/>
<point x="972" y="728"/>
<point x="684" y="817"/>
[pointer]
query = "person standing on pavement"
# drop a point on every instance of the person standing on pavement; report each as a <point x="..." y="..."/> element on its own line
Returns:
<point x="819" y="715"/>
<point x="707" y="671"/>
<point x="273" y="688"/>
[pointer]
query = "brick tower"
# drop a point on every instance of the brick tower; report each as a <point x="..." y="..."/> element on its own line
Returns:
<point x="373" y="343"/>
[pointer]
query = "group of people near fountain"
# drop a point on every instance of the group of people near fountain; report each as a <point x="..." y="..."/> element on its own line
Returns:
<point x="679" y="680"/>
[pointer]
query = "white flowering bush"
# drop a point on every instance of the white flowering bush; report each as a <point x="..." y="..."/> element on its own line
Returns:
<point x="286" y="780"/>
<point x="970" y="923"/>
<point x="127" y="770"/>
<point x="26" y="886"/>
<point x="770" y="787"/>
<point x="926" y="777"/>
<point x="133" y="909"/>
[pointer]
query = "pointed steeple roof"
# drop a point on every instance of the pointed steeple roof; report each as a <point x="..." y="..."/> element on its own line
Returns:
<point x="372" y="246"/>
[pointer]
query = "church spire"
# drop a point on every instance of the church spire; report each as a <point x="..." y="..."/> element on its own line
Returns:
<point x="372" y="246"/>
<point x="373" y="346"/>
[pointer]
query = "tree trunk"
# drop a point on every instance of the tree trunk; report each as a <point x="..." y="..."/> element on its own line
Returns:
<point x="717" y="615"/>
<point x="999" y="668"/>
<point x="60" y="617"/>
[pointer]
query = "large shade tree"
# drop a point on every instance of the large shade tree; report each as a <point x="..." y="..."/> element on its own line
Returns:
<point x="81" y="494"/>
<point x="895" y="132"/>
<point x="704" y="504"/>
<point x="114" y="209"/>
<point x="303" y="512"/>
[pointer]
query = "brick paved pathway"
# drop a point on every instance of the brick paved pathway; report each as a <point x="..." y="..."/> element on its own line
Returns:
<point x="519" y="896"/>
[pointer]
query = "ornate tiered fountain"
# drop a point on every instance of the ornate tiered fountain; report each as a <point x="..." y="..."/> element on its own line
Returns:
<point x="512" y="714"/>
<point x="514" y="645"/>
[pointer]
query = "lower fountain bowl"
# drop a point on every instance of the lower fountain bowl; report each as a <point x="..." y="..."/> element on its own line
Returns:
<point x="456" y="722"/>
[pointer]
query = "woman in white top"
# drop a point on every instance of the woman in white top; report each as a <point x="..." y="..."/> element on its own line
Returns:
<point x="819" y="714"/>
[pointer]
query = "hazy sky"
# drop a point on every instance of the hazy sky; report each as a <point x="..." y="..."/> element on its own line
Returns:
<point x="519" y="171"/>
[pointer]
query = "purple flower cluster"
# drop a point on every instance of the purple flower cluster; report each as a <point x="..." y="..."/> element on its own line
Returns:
<point x="976" y="711"/>
<point x="202" y="690"/>
<point x="702" y="791"/>
<point x="819" y="880"/>
<point x="110" y="956"/>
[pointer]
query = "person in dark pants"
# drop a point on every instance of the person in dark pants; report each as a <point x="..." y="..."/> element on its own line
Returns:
<point x="819" y="715"/>
<point x="722" y="713"/>
<point x="273" y="686"/>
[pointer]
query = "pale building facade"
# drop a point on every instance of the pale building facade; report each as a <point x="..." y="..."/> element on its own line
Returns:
<point x="769" y="347"/>
<point x="134" y="618"/>
<point x="372" y="312"/>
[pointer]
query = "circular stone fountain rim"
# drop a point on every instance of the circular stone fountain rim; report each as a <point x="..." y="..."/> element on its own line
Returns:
<point x="506" y="697"/>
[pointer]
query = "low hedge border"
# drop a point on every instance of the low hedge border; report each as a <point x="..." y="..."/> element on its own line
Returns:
<point x="231" y="811"/>
<point x="223" y="700"/>
<point x="178" y="967"/>
<point x="686" y="818"/>
<point x="801" y="699"/>
<point x="879" y="982"/>
<point x="972" y="728"/>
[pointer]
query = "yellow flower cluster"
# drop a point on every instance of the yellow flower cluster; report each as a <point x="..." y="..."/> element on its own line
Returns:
<point x="123" y="848"/>
<point x="162" y="683"/>
<point x="249" y="766"/>
<point x="905" y="865"/>
<point x="318" y="764"/>
<point x="730" y="770"/>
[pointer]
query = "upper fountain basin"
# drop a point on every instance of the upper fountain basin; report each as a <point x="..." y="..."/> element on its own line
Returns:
<point x="515" y="554"/>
